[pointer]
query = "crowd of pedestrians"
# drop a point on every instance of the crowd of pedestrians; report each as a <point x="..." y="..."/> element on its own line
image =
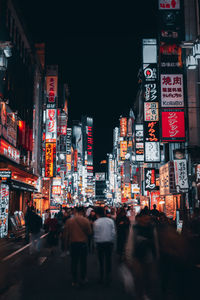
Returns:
<point x="155" y="258"/>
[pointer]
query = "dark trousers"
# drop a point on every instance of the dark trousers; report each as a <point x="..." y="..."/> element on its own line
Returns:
<point x="78" y="257"/>
<point x="104" y="251"/>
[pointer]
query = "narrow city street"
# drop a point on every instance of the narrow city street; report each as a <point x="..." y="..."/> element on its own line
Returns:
<point x="99" y="150"/>
<point x="48" y="277"/>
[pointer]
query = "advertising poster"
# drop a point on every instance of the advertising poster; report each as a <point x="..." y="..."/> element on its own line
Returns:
<point x="51" y="126"/>
<point x="123" y="127"/>
<point x="49" y="159"/>
<point x="167" y="179"/>
<point x="152" y="152"/>
<point x="173" y="126"/>
<point x="155" y="197"/>
<point x="4" y="208"/>
<point x="181" y="177"/>
<point x="150" y="179"/>
<point x="151" y="92"/>
<point x="151" y="130"/>
<point x="139" y="142"/>
<point x="123" y="149"/>
<point x="9" y="151"/>
<point x="172" y="90"/>
<point x="151" y="111"/>
<point x="150" y="72"/>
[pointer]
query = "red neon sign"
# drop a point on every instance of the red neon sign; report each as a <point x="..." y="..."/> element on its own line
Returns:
<point x="9" y="151"/>
<point x="173" y="126"/>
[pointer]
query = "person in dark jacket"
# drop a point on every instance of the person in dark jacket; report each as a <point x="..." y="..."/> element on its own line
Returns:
<point x="27" y="220"/>
<point x="122" y="224"/>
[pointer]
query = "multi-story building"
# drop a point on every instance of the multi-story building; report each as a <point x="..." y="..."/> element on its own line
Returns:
<point x="21" y="95"/>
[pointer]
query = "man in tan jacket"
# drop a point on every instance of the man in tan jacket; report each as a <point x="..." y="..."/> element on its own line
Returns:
<point x="76" y="233"/>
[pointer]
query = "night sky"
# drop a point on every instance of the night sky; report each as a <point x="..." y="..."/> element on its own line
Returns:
<point x="97" y="45"/>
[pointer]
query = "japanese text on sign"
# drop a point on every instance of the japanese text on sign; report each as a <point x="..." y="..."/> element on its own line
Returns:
<point x="152" y="151"/>
<point x="172" y="90"/>
<point x="150" y="92"/>
<point x="150" y="179"/>
<point x="180" y="168"/>
<point x="49" y="159"/>
<point x="151" y="111"/>
<point x="173" y="125"/>
<point x="169" y="4"/>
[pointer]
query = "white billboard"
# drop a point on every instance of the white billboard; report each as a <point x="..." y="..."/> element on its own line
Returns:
<point x="172" y="94"/>
<point x="181" y="178"/>
<point x="152" y="151"/>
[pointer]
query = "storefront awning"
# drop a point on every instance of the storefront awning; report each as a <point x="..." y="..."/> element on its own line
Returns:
<point x="22" y="186"/>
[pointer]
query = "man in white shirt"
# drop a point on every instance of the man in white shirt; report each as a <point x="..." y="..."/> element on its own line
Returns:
<point x="104" y="237"/>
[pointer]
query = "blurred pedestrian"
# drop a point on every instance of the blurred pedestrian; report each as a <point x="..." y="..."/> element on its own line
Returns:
<point x="113" y="213"/>
<point x="52" y="227"/>
<point x="28" y="214"/>
<point x="131" y="214"/>
<point x="154" y="212"/>
<point x="92" y="218"/>
<point x="122" y="224"/>
<point x="104" y="236"/>
<point x="35" y="225"/>
<point x="76" y="233"/>
<point x="146" y="255"/>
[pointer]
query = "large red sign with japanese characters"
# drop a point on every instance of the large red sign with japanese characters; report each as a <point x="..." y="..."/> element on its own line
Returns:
<point x="173" y="125"/>
<point x="50" y="159"/>
<point x="151" y="131"/>
<point x="51" y="125"/>
<point x="172" y="90"/>
<point x="123" y="127"/>
<point x="9" y="151"/>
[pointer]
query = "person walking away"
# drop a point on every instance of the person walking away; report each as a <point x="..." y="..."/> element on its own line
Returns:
<point x="113" y="213"/>
<point x="76" y="233"/>
<point x="122" y="223"/>
<point x="27" y="222"/>
<point x="146" y="255"/>
<point x="104" y="237"/>
<point x="131" y="214"/>
<point x="35" y="225"/>
<point x="52" y="227"/>
<point x="154" y="212"/>
<point x="92" y="218"/>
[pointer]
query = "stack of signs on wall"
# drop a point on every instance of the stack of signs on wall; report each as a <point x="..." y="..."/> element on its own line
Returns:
<point x="151" y="101"/>
<point x="171" y="71"/>
<point x="4" y="207"/>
